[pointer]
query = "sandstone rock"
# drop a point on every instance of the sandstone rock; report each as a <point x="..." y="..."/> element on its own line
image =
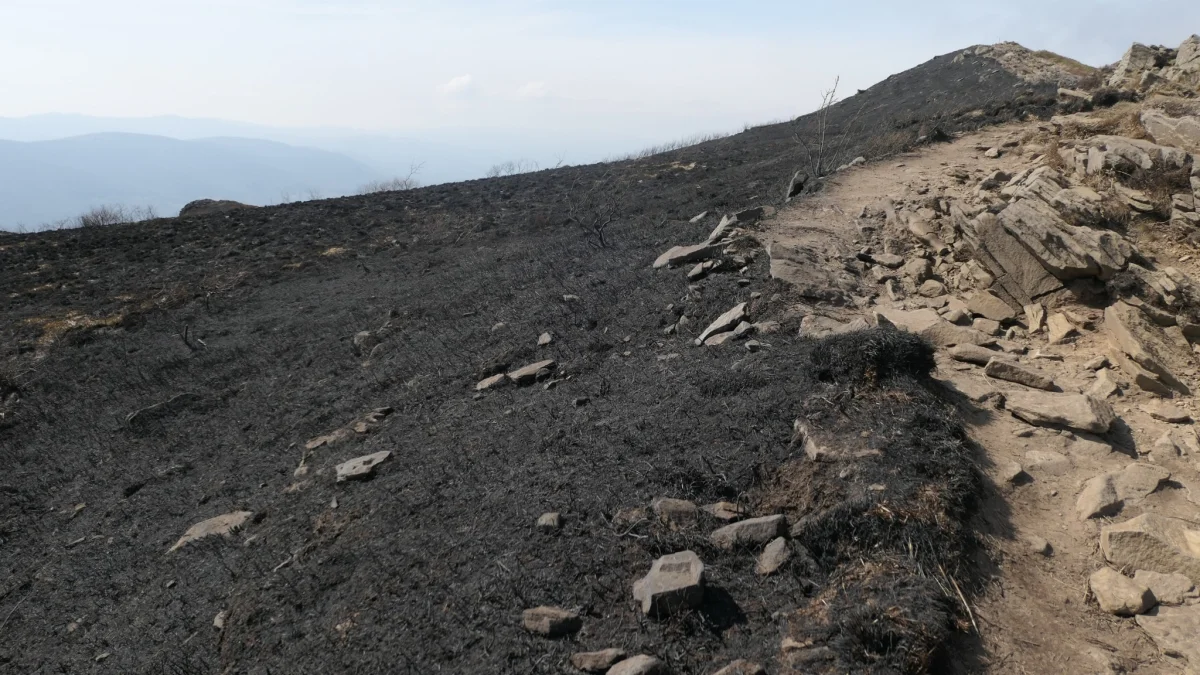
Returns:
<point x="1155" y="543"/>
<point x="1075" y="411"/>
<point x="1016" y="270"/>
<point x="1141" y="377"/>
<point x="1166" y="445"/>
<point x="989" y="305"/>
<point x="491" y="382"/>
<point x="1011" y="472"/>
<point x="1104" y="386"/>
<point x="956" y="316"/>
<point x="1047" y="462"/>
<point x="361" y="467"/>
<point x="551" y="622"/>
<point x="1098" y="499"/>
<point x="726" y="322"/>
<point x="773" y="557"/>
<point x="1168" y="589"/>
<point x="699" y="271"/>
<point x="680" y="255"/>
<point x="640" y="665"/>
<point x="675" y="582"/>
<point x="972" y="354"/>
<point x="1121" y="154"/>
<point x="1010" y="372"/>
<point x="742" y="667"/>
<point x="986" y="326"/>
<point x="1066" y="251"/>
<point x="1166" y="412"/>
<point x="1059" y="328"/>
<point x="549" y="522"/>
<point x="1096" y="363"/>
<point x="888" y="260"/>
<point x="992" y="153"/>
<point x="932" y="288"/>
<point x="1181" y="132"/>
<point x="530" y="373"/>
<point x="748" y="533"/>
<point x="223" y="525"/>
<point x="1118" y="594"/>
<point x="598" y="662"/>
<point x="1078" y="204"/>
<point x="919" y="269"/>
<point x="1144" y="343"/>
<point x="1174" y="631"/>
<point x="1035" y="317"/>
<point x="675" y="512"/>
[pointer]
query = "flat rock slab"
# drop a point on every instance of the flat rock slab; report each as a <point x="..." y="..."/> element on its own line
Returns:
<point x="1074" y="411"/>
<point x="680" y="255"/>
<point x="1145" y="343"/>
<point x="529" y="373"/>
<point x="973" y="354"/>
<point x="752" y="532"/>
<point x="1098" y="499"/>
<point x="491" y="382"/>
<point x="989" y="305"/>
<point x="361" y="467"/>
<point x="640" y="665"/>
<point x="1168" y="589"/>
<point x="724" y="323"/>
<point x="599" y="661"/>
<point x="1118" y="594"/>
<point x="1174" y="630"/>
<point x="1165" y="412"/>
<point x="551" y="622"/>
<point x="725" y="511"/>
<point x="1011" y="372"/>
<point x="675" y="582"/>
<point x="222" y="525"/>
<point x="1059" y="328"/>
<point x="1155" y="543"/>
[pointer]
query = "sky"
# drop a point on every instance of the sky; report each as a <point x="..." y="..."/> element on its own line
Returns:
<point x="660" y="68"/>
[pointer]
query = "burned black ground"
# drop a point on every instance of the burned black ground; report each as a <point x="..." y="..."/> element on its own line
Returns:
<point x="243" y="322"/>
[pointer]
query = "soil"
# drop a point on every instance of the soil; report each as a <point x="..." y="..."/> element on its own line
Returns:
<point x="159" y="374"/>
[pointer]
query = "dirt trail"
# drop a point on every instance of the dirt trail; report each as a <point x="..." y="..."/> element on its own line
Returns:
<point x="1035" y="613"/>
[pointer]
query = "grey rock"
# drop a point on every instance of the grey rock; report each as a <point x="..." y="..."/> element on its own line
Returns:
<point x="1098" y="499"/>
<point x="640" y="665"/>
<point x="1066" y="251"/>
<point x="551" y="622"/>
<point x="1059" y="328"/>
<point x="1010" y="372"/>
<point x="549" y="522"/>
<point x="680" y="255"/>
<point x="530" y="373"/>
<point x="753" y="532"/>
<point x="773" y="557"/>
<point x="1174" y="631"/>
<point x="1144" y="343"/>
<point x="932" y="288"/>
<point x="361" y="467"/>
<point x="1104" y="386"/>
<point x="599" y="661"/>
<point x="889" y="260"/>
<point x="986" y="326"/>
<point x="675" y="582"/>
<point x="545" y="339"/>
<point x="726" y="322"/>
<point x="1016" y="270"/>
<point x="491" y="382"/>
<point x="972" y="354"/>
<point x="1181" y="132"/>
<point x="989" y="305"/>
<point x="677" y="513"/>
<point x="222" y="525"/>
<point x="1165" y="412"/>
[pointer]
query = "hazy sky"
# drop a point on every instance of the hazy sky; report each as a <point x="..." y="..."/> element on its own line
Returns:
<point x="660" y="66"/>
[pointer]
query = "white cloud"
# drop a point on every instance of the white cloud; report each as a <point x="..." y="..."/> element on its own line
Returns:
<point x="533" y="90"/>
<point x="456" y="86"/>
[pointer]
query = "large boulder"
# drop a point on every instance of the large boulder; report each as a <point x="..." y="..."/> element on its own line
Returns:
<point x="1048" y="409"/>
<point x="1154" y="542"/>
<point x="1066" y="251"/>
<point x="1123" y="155"/>
<point x="816" y="274"/>
<point x="1138" y="59"/>
<point x="205" y="207"/>
<point x="1181" y="132"/>
<point x="1017" y="272"/>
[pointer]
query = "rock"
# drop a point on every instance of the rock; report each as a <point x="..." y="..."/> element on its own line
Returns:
<point x="725" y="322"/>
<point x="1011" y="472"/>
<point x="361" y="468"/>
<point x="530" y="373"/>
<point x="742" y="667"/>
<point x="796" y="184"/>
<point x="1166" y="445"/>
<point x="1168" y="589"/>
<point x="675" y="582"/>
<point x="1098" y="499"/>
<point x="1010" y="372"/>
<point x="1138" y="59"/>
<point x="719" y="339"/>
<point x="1066" y="251"/>
<point x="1014" y="268"/>
<point x="699" y="271"/>
<point x="1144" y="343"/>
<point x="773" y="557"/>
<point x="1118" y="594"/>
<point x="927" y="324"/>
<point x="1155" y="543"/>
<point x="1121" y="155"/>
<point x="640" y="665"/>
<point x="549" y="522"/>
<point x="972" y="354"/>
<point x="725" y="511"/>
<point x="698" y="217"/>
<point x="491" y="382"/>
<point x="1104" y="386"/>
<point x="753" y="532"/>
<point x="1096" y="363"/>
<point x="680" y="255"/>
<point x="988" y="305"/>
<point x="204" y="207"/>
<point x="551" y="622"/>
<point x="1180" y="132"/>
<point x="919" y="269"/>
<point x="1048" y="462"/>
<point x="1165" y="412"/>
<point x="1174" y="631"/>
<point x="223" y="525"/>
<point x="1059" y="328"/>
<point x="1075" y="411"/>
<point x="932" y="288"/>
<point x="675" y="512"/>
<point x="986" y="326"/>
<point x="219" y="619"/>
<point x="888" y="260"/>
<point x="992" y="153"/>
<point x="1141" y="377"/>
<point x="957" y="316"/>
<point x="545" y="339"/>
<point x="1037" y="545"/>
<point x="597" y="662"/>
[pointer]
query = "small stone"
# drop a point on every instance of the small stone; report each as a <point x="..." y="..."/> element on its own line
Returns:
<point x="1059" y="328"/>
<point x="551" y="622"/>
<point x="223" y="525"/>
<point x="889" y="260"/>
<point x="1011" y="472"/>
<point x="1097" y="363"/>
<point x="675" y="512"/>
<point x="493" y="381"/>
<point x="957" y="316"/>
<point x="675" y="582"/>
<point x="1165" y="412"/>
<point x="361" y="468"/>
<point x="992" y="153"/>
<point x="1168" y="589"/>
<point x="1035" y="316"/>
<point x="774" y="556"/>
<point x="1098" y="499"/>
<point x="597" y="662"/>
<point x="1037" y="545"/>
<point x="749" y="533"/>
<point x="545" y="339"/>
<point x="532" y="372"/>
<point x="726" y="511"/>
<point x="640" y="665"/>
<point x="742" y="667"/>
<point x="1010" y="372"/>
<point x="549" y="522"/>
<point x="1118" y="594"/>
<point x="972" y="354"/>
<point x="753" y="345"/>
<point x="219" y="619"/>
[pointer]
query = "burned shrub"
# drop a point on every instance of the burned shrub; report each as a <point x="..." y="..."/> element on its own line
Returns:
<point x="870" y="356"/>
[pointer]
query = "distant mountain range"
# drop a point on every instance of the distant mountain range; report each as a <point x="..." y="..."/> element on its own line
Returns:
<point x="42" y="182"/>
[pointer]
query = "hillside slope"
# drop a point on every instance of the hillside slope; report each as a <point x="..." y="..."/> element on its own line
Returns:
<point x="160" y="374"/>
